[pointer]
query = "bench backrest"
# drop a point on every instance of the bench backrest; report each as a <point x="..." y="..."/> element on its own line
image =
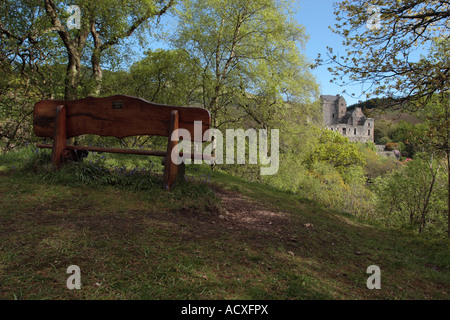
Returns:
<point x="118" y="116"/>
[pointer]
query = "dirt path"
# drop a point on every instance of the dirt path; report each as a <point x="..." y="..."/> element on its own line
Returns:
<point x="240" y="212"/>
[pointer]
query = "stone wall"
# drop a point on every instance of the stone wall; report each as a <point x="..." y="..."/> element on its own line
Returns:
<point x="381" y="150"/>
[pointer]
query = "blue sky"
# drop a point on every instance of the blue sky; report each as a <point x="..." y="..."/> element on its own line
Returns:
<point x="316" y="16"/>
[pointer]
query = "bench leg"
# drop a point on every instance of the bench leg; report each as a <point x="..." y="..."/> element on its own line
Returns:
<point x="60" y="136"/>
<point x="181" y="171"/>
<point x="170" y="168"/>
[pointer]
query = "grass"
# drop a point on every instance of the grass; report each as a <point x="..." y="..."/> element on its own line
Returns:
<point x="213" y="237"/>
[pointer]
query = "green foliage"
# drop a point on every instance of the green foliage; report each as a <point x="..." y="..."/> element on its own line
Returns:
<point x="413" y="196"/>
<point x="162" y="76"/>
<point x="435" y="133"/>
<point x="324" y="185"/>
<point x="21" y="86"/>
<point x="248" y="56"/>
<point x="36" y="32"/>
<point x="430" y="137"/>
<point x="403" y="136"/>
<point x="385" y="140"/>
<point x="93" y="171"/>
<point x="391" y="146"/>
<point x="337" y="150"/>
<point x="376" y="166"/>
<point x="382" y="131"/>
<point x="369" y="145"/>
<point x="317" y="172"/>
<point x="124" y="172"/>
<point x="242" y="61"/>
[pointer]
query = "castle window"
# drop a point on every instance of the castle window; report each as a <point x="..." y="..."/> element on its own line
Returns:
<point x="354" y="131"/>
<point x="369" y="133"/>
<point x="344" y="131"/>
<point x="333" y="115"/>
<point x="369" y="124"/>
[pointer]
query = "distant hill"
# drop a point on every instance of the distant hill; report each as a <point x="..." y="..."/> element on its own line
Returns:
<point x="378" y="108"/>
<point x="372" y="103"/>
<point x="393" y="116"/>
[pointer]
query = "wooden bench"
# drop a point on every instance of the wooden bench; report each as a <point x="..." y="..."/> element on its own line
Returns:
<point x="117" y="116"/>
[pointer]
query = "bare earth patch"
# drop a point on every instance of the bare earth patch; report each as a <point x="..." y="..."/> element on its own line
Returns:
<point x="244" y="213"/>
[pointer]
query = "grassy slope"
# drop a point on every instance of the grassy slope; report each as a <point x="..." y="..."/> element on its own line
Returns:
<point x="221" y="239"/>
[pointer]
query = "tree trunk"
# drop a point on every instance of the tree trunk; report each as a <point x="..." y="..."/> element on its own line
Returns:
<point x="95" y="61"/>
<point x="98" y="74"/>
<point x="72" y="77"/>
<point x="428" y="197"/>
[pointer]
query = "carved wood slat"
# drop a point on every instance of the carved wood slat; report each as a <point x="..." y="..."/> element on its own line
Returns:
<point x="118" y="116"/>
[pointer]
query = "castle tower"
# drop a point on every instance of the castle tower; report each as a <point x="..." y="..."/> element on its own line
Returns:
<point x="334" y="108"/>
<point x="352" y="124"/>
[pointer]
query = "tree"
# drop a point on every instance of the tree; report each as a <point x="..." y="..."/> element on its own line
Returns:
<point x="162" y="76"/>
<point x="413" y="194"/>
<point x="103" y="24"/>
<point x="437" y="135"/>
<point x="30" y="69"/>
<point x="383" y="56"/>
<point x="336" y="150"/>
<point x="430" y="138"/>
<point x="248" y="56"/>
<point x="436" y="115"/>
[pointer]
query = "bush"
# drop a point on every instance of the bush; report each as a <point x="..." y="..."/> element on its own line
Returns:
<point x="385" y="140"/>
<point x="377" y="166"/>
<point x="391" y="146"/>
<point x="370" y="146"/>
<point x="404" y="198"/>
<point x="325" y="185"/>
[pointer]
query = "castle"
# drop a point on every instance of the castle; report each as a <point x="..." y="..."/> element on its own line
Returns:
<point x="352" y="124"/>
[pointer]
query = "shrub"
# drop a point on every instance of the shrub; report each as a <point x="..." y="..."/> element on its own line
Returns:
<point x="391" y="146"/>
<point x="385" y="140"/>
<point x="413" y="196"/>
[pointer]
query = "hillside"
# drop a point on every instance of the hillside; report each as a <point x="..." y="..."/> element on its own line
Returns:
<point x="392" y="116"/>
<point x="216" y="237"/>
<point x="377" y="108"/>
